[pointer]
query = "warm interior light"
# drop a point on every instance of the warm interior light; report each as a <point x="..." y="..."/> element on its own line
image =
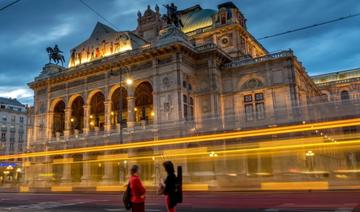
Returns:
<point x="72" y="119"/>
<point x="152" y="113"/>
<point x="309" y="153"/>
<point x="91" y="116"/>
<point x="129" y="82"/>
<point x="92" y="123"/>
<point x="112" y="113"/>
<point x="135" y="109"/>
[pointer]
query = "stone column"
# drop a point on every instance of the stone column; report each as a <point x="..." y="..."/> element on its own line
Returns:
<point x="86" y="119"/>
<point x="155" y="109"/>
<point x="107" y="116"/>
<point x="66" y="176"/>
<point x="108" y="177"/>
<point x="68" y="122"/>
<point x="86" y="178"/>
<point x="131" y="107"/>
<point x="50" y="125"/>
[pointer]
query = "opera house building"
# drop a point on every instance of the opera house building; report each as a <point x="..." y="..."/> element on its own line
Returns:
<point x="205" y="94"/>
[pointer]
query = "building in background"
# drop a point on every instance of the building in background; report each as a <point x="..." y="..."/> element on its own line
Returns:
<point x="341" y="86"/>
<point x="13" y="122"/>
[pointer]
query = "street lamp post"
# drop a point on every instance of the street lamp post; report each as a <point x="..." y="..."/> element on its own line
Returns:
<point x="310" y="159"/>
<point x="128" y="82"/>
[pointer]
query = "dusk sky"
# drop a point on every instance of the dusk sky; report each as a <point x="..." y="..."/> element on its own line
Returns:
<point x="30" y="26"/>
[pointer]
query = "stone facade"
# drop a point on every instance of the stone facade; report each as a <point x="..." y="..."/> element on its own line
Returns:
<point x="339" y="86"/>
<point x="209" y="76"/>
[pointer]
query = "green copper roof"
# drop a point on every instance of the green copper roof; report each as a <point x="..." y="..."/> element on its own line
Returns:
<point x="197" y="20"/>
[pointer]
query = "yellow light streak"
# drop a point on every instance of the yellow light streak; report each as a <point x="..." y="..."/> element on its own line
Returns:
<point x="198" y="152"/>
<point x="319" y="185"/>
<point x="195" y="139"/>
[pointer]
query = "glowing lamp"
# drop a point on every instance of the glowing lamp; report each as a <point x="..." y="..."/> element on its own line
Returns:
<point x="129" y="82"/>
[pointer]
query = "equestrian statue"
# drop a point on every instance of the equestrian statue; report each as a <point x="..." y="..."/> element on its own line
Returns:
<point x="55" y="54"/>
<point x="172" y="16"/>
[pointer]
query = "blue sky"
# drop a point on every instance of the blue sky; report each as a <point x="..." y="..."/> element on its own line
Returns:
<point x="30" y="26"/>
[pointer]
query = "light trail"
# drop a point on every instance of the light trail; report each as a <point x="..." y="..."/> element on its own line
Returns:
<point x="194" y="139"/>
<point x="201" y="152"/>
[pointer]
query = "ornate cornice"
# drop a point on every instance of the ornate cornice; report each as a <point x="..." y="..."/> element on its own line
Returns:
<point x="126" y="59"/>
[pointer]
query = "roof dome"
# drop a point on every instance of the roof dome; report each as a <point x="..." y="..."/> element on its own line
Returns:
<point x="197" y="20"/>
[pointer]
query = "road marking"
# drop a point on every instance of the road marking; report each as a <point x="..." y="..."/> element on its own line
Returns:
<point x="46" y="205"/>
<point x="121" y="209"/>
<point x="347" y="207"/>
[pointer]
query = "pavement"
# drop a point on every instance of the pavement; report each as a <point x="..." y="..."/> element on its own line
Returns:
<point x="324" y="201"/>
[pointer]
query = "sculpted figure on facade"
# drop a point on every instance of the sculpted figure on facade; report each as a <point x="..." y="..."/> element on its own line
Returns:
<point x="55" y="54"/>
<point x="172" y="16"/>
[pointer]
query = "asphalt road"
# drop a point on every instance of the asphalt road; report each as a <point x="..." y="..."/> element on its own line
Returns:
<point x="339" y="201"/>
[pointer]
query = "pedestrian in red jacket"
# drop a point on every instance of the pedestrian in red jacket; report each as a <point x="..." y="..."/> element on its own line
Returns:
<point x="137" y="190"/>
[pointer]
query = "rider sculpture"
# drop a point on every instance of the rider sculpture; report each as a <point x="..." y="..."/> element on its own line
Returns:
<point x="172" y="16"/>
<point x="55" y="54"/>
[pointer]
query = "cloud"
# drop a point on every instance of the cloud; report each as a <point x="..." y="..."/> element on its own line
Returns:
<point x="54" y="34"/>
<point x="24" y="95"/>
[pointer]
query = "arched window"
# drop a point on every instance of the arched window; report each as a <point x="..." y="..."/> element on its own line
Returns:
<point x="77" y="114"/>
<point x="97" y="114"/>
<point x="325" y="96"/>
<point x="144" y="102"/>
<point x="115" y="107"/>
<point x="252" y="84"/>
<point x="59" y="118"/>
<point x="345" y="96"/>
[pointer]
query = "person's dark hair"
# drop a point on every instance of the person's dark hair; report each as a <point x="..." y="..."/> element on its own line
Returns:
<point x="169" y="167"/>
<point x="134" y="169"/>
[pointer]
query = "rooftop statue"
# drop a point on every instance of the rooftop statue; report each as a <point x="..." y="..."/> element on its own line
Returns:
<point x="55" y="54"/>
<point x="172" y="15"/>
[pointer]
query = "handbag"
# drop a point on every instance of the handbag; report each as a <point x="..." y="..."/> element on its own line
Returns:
<point x="161" y="189"/>
<point x="127" y="197"/>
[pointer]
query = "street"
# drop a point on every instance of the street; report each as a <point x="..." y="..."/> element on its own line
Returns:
<point x="339" y="201"/>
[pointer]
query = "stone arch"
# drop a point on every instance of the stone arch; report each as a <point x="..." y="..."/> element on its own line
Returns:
<point x="97" y="111"/>
<point x="91" y="94"/>
<point x="137" y="83"/>
<point x="114" y="88"/>
<point x="73" y="97"/>
<point x="58" y="118"/>
<point x="245" y="82"/>
<point x="54" y="103"/>
<point x="252" y="84"/>
<point x="326" y="95"/>
<point x="144" y="102"/>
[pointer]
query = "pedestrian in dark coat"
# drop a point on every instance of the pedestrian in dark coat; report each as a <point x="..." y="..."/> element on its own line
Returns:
<point x="170" y="186"/>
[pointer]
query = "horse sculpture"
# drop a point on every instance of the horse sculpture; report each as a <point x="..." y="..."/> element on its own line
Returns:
<point x="172" y="16"/>
<point x="55" y="55"/>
